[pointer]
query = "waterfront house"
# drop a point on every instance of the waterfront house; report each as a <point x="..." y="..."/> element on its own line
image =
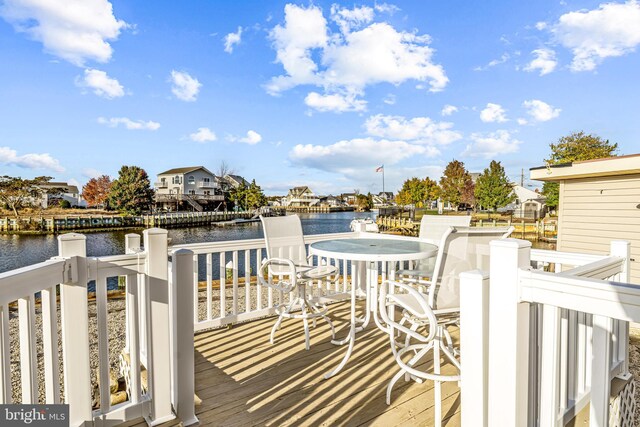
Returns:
<point x="331" y="201"/>
<point x="235" y="181"/>
<point x="300" y="197"/>
<point x="55" y="192"/>
<point x="528" y="204"/>
<point x="349" y="198"/>
<point x="188" y="188"/>
<point x="599" y="201"/>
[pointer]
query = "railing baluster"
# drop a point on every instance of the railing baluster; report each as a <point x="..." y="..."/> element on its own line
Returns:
<point x="551" y="367"/>
<point x="134" y="333"/>
<point x="196" y="286"/>
<point x="247" y="281"/>
<point x="234" y="269"/>
<point x="223" y="280"/>
<point x="209" y="261"/>
<point x="5" y="357"/>
<point x="103" y="341"/>
<point x="600" y="378"/>
<point x="258" y="287"/>
<point x="49" y="306"/>
<point x="28" y="362"/>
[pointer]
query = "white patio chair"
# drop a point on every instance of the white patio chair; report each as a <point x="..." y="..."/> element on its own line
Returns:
<point x="432" y="228"/>
<point x="417" y="318"/>
<point x="287" y="263"/>
<point x="459" y="250"/>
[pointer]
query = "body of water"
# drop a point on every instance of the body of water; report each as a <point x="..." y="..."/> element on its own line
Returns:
<point x="21" y="250"/>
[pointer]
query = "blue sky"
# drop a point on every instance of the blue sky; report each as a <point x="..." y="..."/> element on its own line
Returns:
<point x="316" y="94"/>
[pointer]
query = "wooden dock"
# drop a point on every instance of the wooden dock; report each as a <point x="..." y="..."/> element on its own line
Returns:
<point x="243" y="380"/>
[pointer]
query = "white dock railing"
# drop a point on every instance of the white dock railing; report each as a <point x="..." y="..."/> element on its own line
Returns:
<point x="543" y="344"/>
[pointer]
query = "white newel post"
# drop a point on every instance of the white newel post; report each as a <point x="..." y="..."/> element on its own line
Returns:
<point x="75" y="332"/>
<point x="474" y="343"/>
<point x="158" y="325"/>
<point x="183" y="293"/>
<point x="622" y="249"/>
<point x="131" y="246"/>
<point x="508" y="335"/>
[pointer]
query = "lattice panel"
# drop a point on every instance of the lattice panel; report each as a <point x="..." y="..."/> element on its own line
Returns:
<point x="623" y="406"/>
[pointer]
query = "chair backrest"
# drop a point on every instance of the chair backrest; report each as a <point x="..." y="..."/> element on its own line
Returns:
<point x="433" y="227"/>
<point x="284" y="239"/>
<point x="460" y="250"/>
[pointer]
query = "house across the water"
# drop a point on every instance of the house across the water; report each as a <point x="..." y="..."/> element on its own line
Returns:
<point x="192" y="187"/>
<point x="300" y="197"/>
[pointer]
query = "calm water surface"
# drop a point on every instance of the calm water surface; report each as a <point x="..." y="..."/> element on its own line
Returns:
<point x="21" y="250"/>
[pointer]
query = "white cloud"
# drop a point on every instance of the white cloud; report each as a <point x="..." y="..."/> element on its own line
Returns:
<point x="128" y="123"/>
<point x="360" y="53"/>
<point x="540" y="111"/>
<point x="252" y="138"/>
<point x="386" y="8"/>
<point x="522" y="121"/>
<point x="369" y="152"/>
<point x="101" y="84"/>
<point x="448" y="110"/>
<point x="203" y="135"/>
<point x="492" y="144"/>
<point x="421" y="130"/>
<point x="232" y="39"/>
<point x="504" y="58"/>
<point x="390" y="99"/>
<point x="545" y="61"/>
<point x="74" y="30"/>
<point x="541" y="25"/>
<point x="613" y="29"/>
<point x="493" y="113"/>
<point x="335" y="102"/>
<point x="10" y="157"/>
<point x="184" y="87"/>
<point x="347" y="19"/>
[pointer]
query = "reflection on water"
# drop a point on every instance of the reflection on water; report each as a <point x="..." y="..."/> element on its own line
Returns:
<point x="21" y="250"/>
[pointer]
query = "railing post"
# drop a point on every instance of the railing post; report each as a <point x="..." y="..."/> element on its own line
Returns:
<point x="600" y="368"/>
<point x="474" y="343"/>
<point x="75" y="332"/>
<point x="508" y="335"/>
<point x="622" y="249"/>
<point x="158" y="325"/>
<point x="183" y="291"/>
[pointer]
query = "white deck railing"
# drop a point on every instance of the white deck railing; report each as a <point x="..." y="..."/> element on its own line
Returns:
<point x="548" y="343"/>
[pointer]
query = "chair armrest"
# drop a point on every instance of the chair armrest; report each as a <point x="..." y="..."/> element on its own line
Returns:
<point x="290" y="271"/>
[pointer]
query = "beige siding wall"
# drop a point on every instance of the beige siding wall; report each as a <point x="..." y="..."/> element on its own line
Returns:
<point x="595" y="211"/>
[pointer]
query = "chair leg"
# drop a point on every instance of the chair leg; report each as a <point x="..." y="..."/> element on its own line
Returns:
<point x="394" y="380"/>
<point x="437" y="384"/>
<point x="276" y="327"/>
<point x="305" y="320"/>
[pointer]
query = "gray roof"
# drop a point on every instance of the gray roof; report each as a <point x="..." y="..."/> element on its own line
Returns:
<point x="62" y="186"/>
<point x="185" y="170"/>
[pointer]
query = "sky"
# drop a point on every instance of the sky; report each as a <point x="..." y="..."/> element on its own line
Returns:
<point x="311" y="93"/>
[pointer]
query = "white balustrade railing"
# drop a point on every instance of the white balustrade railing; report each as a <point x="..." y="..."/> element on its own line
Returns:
<point x="555" y="339"/>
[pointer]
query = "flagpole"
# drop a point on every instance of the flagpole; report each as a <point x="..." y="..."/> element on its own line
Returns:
<point x="384" y="195"/>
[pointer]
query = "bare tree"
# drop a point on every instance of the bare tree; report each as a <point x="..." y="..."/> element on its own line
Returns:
<point x="224" y="169"/>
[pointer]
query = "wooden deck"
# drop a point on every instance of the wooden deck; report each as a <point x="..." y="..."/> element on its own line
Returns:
<point x="243" y="380"/>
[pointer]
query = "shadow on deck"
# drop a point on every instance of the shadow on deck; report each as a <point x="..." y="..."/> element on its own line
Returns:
<point x="243" y="380"/>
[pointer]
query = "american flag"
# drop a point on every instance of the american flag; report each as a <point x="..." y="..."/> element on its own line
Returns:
<point x="380" y="169"/>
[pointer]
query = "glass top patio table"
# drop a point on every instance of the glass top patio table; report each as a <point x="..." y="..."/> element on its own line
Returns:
<point x="369" y="249"/>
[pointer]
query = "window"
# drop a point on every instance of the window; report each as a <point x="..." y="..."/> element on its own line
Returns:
<point x="177" y="180"/>
<point x="192" y="179"/>
<point x="192" y="192"/>
<point x="205" y="180"/>
<point x="207" y="193"/>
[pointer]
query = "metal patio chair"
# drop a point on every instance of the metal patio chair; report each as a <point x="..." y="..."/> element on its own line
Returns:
<point x="425" y="317"/>
<point x="432" y="228"/>
<point x="289" y="270"/>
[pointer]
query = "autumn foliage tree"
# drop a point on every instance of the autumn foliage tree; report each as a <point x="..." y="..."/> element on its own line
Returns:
<point x="131" y="193"/>
<point x="416" y="191"/>
<point x="493" y="188"/>
<point x="453" y="183"/>
<point x="96" y="191"/>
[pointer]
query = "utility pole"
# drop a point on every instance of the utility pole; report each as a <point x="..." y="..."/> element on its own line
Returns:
<point x="522" y="178"/>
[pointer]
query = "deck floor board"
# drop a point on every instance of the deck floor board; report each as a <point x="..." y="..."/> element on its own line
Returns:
<point x="243" y="380"/>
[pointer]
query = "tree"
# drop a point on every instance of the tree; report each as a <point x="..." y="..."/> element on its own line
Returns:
<point x="96" y="191"/>
<point x="364" y="203"/>
<point x="17" y="193"/>
<point x="493" y="188"/>
<point x="248" y="197"/>
<point x="453" y="182"/>
<point x="416" y="191"/>
<point x="575" y="147"/>
<point x="131" y="193"/>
